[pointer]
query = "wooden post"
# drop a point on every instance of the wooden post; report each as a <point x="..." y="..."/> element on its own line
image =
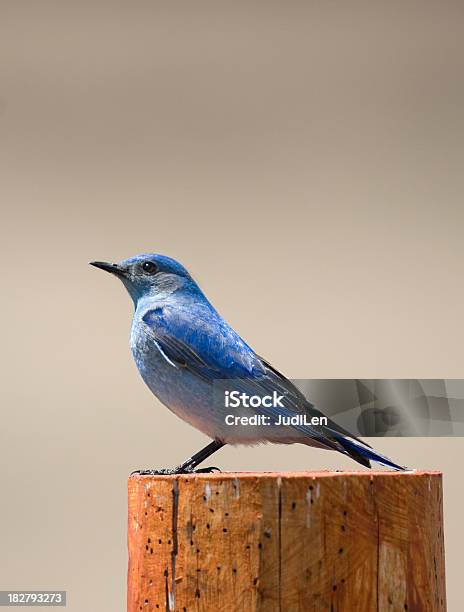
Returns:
<point x="290" y="542"/>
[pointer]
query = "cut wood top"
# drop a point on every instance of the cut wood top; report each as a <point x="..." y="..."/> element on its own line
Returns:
<point x="303" y="474"/>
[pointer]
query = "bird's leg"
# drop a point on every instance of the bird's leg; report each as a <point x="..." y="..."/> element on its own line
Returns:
<point x="192" y="462"/>
<point x="189" y="465"/>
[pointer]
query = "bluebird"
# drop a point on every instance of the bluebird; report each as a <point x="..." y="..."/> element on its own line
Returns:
<point x="196" y="364"/>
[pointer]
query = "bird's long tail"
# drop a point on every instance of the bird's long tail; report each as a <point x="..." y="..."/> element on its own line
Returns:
<point x="364" y="454"/>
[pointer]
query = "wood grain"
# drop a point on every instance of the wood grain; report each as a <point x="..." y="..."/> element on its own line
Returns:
<point x="290" y="542"/>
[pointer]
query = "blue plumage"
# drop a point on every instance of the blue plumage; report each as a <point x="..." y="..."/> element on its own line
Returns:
<point x="189" y="356"/>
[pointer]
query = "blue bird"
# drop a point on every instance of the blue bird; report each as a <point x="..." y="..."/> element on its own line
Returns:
<point x="193" y="362"/>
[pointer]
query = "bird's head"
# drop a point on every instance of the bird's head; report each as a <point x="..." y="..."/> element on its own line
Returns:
<point x="149" y="274"/>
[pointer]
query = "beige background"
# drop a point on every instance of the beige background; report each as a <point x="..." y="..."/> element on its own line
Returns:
<point x="305" y="161"/>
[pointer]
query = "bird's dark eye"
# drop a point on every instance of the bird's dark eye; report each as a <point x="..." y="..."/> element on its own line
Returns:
<point x="149" y="267"/>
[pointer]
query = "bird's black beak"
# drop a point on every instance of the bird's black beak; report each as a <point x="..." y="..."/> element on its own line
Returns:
<point x="109" y="267"/>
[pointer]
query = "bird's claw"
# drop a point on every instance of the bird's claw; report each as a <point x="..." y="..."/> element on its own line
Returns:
<point x="175" y="470"/>
<point x="206" y="470"/>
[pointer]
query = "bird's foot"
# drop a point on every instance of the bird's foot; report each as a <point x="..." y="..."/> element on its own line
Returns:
<point x="176" y="470"/>
<point x="160" y="472"/>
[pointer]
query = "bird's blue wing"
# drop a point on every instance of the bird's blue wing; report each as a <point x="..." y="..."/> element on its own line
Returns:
<point x="202" y="342"/>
